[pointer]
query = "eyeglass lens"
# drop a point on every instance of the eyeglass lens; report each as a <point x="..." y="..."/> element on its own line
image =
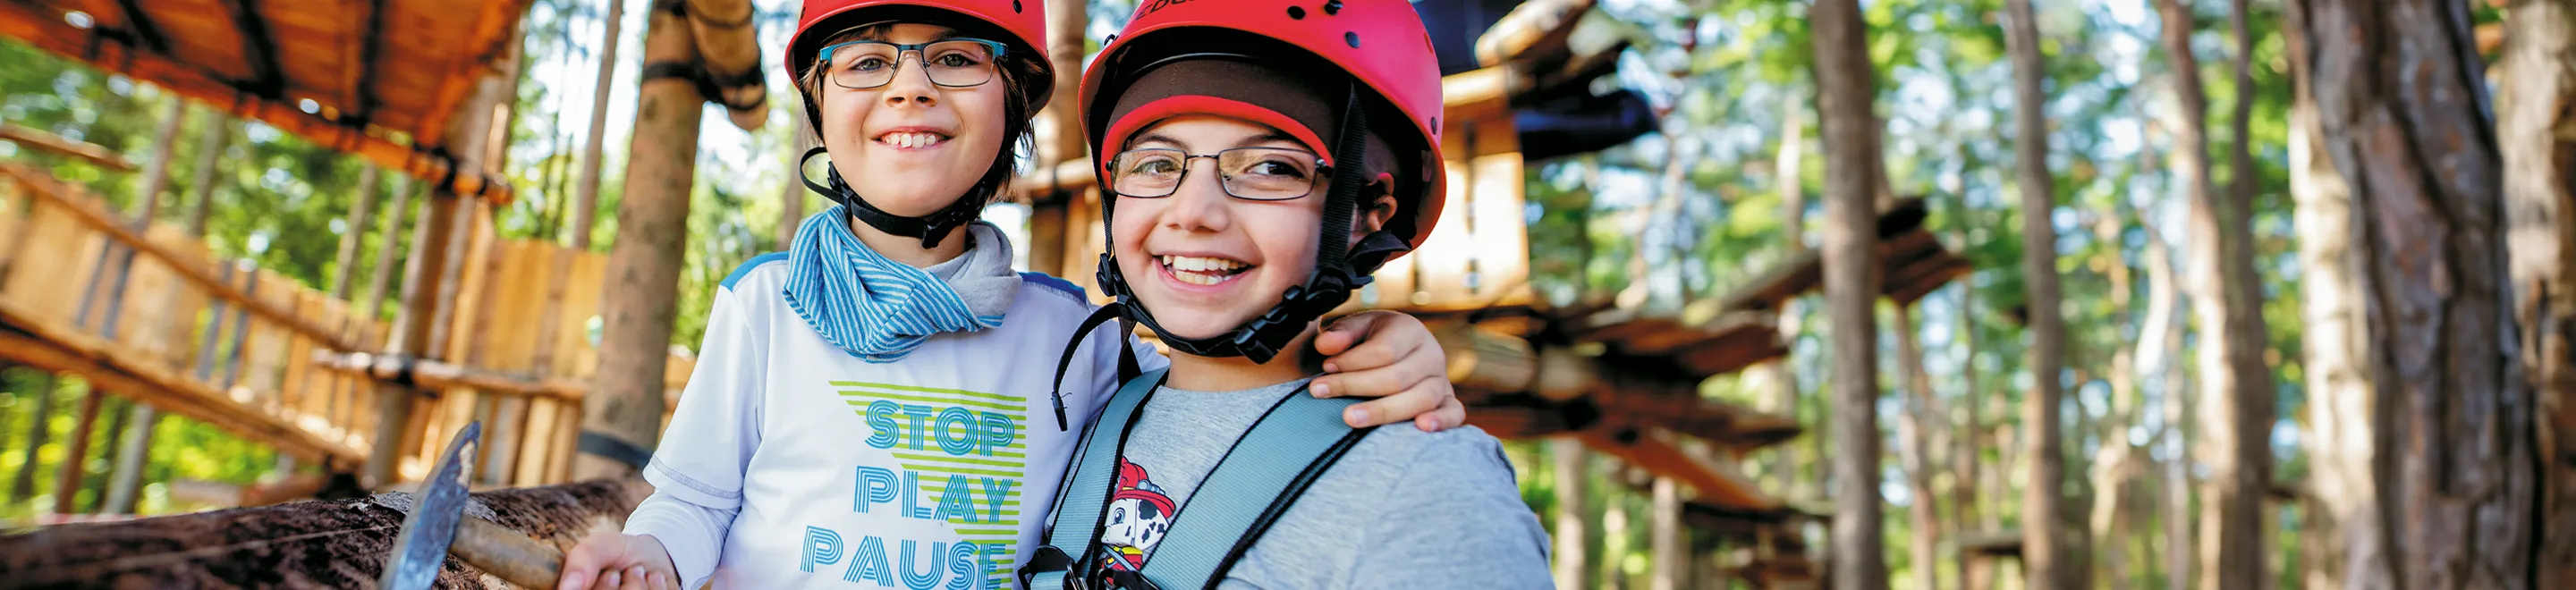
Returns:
<point x="869" y="64"/>
<point x="1260" y="174"/>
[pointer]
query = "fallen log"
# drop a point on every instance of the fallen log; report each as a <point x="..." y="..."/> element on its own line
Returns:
<point x="320" y="544"/>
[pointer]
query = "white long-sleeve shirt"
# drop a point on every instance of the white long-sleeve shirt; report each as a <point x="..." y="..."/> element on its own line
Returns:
<point x="790" y="463"/>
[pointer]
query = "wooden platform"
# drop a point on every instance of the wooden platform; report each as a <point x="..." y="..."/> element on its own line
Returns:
<point x="381" y="79"/>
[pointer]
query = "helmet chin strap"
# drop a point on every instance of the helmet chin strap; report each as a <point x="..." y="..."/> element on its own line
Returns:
<point x="930" y="229"/>
<point x="1340" y="268"/>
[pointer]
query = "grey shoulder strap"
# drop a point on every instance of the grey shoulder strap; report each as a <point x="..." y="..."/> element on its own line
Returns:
<point x="1265" y="472"/>
<point x="1075" y="519"/>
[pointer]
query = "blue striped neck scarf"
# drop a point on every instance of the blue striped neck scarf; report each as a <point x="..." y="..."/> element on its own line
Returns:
<point x="880" y="310"/>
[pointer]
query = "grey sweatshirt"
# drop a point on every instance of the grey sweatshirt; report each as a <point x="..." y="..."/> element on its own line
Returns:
<point x="1404" y="509"/>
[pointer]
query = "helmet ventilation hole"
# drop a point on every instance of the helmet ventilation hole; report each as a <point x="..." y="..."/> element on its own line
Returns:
<point x="1352" y="38"/>
<point x="1015" y="6"/>
<point x="1297" y="12"/>
<point x="1332" y="6"/>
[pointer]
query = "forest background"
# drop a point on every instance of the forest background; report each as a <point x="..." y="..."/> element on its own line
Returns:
<point x="1728" y="187"/>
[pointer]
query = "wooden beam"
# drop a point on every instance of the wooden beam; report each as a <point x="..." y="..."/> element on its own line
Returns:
<point x="30" y="137"/>
<point x="107" y="366"/>
<point x="1715" y="486"/>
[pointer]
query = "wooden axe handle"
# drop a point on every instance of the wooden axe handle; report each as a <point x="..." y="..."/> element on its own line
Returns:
<point x="506" y="554"/>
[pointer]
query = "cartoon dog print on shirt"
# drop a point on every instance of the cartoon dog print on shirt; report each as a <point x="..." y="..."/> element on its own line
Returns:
<point x="1139" y="515"/>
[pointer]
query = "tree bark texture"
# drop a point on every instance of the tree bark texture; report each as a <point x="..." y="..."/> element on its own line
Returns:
<point x="326" y="544"/>
<point x="2532" y="123"/>
<point x="1847" y="89"/>
<point x="2043" y="557"/>
<point x="2236" y="385"/>
<point x="625" y="401"/>
<point x="2404" y="113"/>
<point x="2336" y="355"/>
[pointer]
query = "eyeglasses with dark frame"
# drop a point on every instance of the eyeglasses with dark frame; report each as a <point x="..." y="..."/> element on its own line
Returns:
<point x="955" y="62"/>
<point x="1248" y="173"/>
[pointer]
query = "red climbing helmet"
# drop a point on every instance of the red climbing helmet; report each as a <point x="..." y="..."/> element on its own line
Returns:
<point x="1380" y="43"/>
<point x="1023" y="21"/>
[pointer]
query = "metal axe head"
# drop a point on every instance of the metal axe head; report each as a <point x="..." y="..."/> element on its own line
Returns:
<point x="421" y="547"/>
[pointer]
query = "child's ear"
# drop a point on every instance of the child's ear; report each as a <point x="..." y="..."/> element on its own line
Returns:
<point x="1377" y="205"/>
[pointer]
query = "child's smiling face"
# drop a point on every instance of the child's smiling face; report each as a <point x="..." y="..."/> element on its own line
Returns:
<point x="912" y="147"/>
<point x="1204" y="262"/>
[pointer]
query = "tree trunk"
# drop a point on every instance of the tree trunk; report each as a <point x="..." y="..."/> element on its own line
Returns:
<point x="355" y="236"/>
<point x="585" y="204"/>
<point x="2236" y="385"/>
<point x="2042" y="540"/>
<point x="75" y="466"/>
<point x="1966" y="461"/>
<point x="119" y="417"/>
<point x="2114" y="461"/>
<point x="624" y="406"/>
<point x="391" y="237"/>
<point x="1847" y="87"/>
<point x="1916" y="426"/>
<point x="1573" y="466"/>
<point x="201" y="189"/>
<point x="1668" y="570"/>
<point x="2539" y="74"/>
<point x="1614" y="545"/>
<point x="2336" y="352"/>
<point x="2401" y="100"/>
<point x="38" y="429"/>
<point x="133" y="454"/>
<point x="1781" y="373"/>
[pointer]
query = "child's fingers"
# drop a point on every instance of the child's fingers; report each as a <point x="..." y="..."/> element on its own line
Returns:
<point x="581" y="565"/>
<point x="1364" y="355"/>
<point x="1425" y="396"/>
<point x="1451" y="414"/>
<point x="1341" y="334"/>
<point x="637" y="579"/>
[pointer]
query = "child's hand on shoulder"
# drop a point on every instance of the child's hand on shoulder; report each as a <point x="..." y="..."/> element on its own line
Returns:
<point x="608" y="560"/>
<point x="1392" y="357"/>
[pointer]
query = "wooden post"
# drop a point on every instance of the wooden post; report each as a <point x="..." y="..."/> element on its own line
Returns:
<point x="37" y="431"/>
<point x="1059" y="137"/>
<point x="622" y="415"/>
<point x="67" y="479"/>
<point x="1573" y="469"/>
<point x="420" y="318"/>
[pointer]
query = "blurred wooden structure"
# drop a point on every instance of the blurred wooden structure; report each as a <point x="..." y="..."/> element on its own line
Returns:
<point x="145" y="312"/>
<point x="382" y="79"/>
<point x="255" y="353"/>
